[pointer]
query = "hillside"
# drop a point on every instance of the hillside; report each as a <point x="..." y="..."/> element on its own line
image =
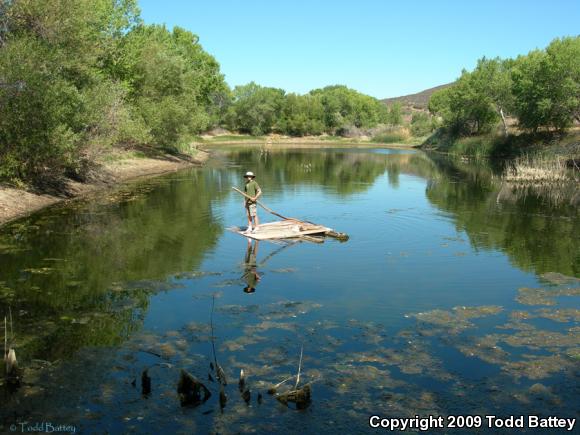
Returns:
<point x="420" y="100"/>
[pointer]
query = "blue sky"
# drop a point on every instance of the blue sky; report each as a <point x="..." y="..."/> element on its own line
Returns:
<point x="382" y="48"/>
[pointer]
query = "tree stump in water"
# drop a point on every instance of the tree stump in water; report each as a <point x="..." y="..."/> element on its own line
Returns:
<point x="300" y="397"/>
<point x="191" y="391"/>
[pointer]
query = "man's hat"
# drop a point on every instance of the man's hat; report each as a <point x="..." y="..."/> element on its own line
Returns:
<point x="249" y="174"/>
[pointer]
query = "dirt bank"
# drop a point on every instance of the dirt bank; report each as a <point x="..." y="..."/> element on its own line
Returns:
<point x="16" y="203"/>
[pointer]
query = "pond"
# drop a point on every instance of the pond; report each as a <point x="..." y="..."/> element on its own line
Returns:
<point x="456" y="295"/>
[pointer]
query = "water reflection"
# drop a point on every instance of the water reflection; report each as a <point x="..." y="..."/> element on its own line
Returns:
<point x="538" y="227"/>
<point x="392" y="323"/>
<point x="251" y="275"/>
<point x="82" y="273"/>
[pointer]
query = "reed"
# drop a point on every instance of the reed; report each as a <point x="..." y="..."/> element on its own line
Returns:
<point x="538" y="169"/>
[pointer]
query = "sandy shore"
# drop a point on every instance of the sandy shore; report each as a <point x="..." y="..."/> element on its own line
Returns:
<point x="16" y="203"/>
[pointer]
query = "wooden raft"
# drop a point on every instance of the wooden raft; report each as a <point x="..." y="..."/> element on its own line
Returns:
<point x="286" y="229"/>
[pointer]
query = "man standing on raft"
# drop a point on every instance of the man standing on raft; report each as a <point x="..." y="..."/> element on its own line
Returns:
<point x="252" y="189"/>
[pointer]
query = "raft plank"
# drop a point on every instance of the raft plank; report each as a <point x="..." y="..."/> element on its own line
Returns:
<point x="287" y="229"/>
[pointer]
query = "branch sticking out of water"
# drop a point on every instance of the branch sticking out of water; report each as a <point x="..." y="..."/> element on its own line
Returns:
<point x="299" y="367"/>
<point x="221" y="376"/>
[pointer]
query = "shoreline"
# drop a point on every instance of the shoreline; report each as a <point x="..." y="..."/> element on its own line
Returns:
<point x="16" y="203"/>
<point x="301" y="143"/>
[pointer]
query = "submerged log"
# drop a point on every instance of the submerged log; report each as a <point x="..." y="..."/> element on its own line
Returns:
<point x="343" y="237"/>
<point x="300" y="397"/>
<point x="191" y="391"/>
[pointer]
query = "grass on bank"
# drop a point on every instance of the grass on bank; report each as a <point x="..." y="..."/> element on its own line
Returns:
<point x="496" y="145"/>
<point x="538" y="168"/>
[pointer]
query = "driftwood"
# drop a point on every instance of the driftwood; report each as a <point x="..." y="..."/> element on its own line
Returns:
<point x="191" y="391"/>
<point x="343" y="237"/>
<point x="299" y="396"/>
<point x="274" y="389"/>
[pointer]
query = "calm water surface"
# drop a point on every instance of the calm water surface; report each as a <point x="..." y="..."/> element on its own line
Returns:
<point x="454" y="295"/>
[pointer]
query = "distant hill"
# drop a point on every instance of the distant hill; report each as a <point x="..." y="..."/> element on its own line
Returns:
<point x="420" y="100"/>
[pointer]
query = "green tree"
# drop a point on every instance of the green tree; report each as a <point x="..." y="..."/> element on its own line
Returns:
<point x="395" y="114"/>
<point x="421" y="124"/>
<point x="255" y="109"/>
<point x="172" y="82"/>
<point x="493" y="80"/>
<point x="546" y="85"/>
<point x="465" y="107"/>
<point x="55" y="100"/>
<point x="302" y="115"/>
<point x="78" y="76"/>
<point x="344" y="107"/>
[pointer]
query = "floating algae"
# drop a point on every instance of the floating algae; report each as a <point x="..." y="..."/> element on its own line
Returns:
<point x="349" y="378"/>
<point x="285" y="309"/>
<point x="284" y="270"/>
<point x="227" y="283"/>
<point x="537" y="339"/>
<point x="237" y="309"/>
<point x="558" y="278"/>
<point x="543" y="296"/>
<point x="196" y="274"/>
<point x="456" y="321"/>
<point x="370" y="332"/>
<point x="267" y="325"/>
<point x="240" y="343"/>
<point x="485" y="348"/>
<point x="539" y="367"/>
<point x="562" y="315"/>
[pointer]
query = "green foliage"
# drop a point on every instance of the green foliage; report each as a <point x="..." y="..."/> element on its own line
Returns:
<point x="546" y="85"/>
<point x="542" y="89"/>
<point x="302" y="115"/>
<point x="260" y="110"/>
<point x="421" y="124"/>
<point x="344" y="107"/>
<point x="395" y="114"/>
<point x="392" y="136"/>
<point x="78" y="76"/>
<point x="255" y="109"/>
<point x="465" y="107"/>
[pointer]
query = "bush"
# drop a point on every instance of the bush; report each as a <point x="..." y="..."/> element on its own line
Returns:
<point x="392" y="135"/>
<point x="421" y="124"/>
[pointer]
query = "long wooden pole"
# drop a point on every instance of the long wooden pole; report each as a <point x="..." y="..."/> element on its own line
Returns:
<point x="269" y="210"/>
